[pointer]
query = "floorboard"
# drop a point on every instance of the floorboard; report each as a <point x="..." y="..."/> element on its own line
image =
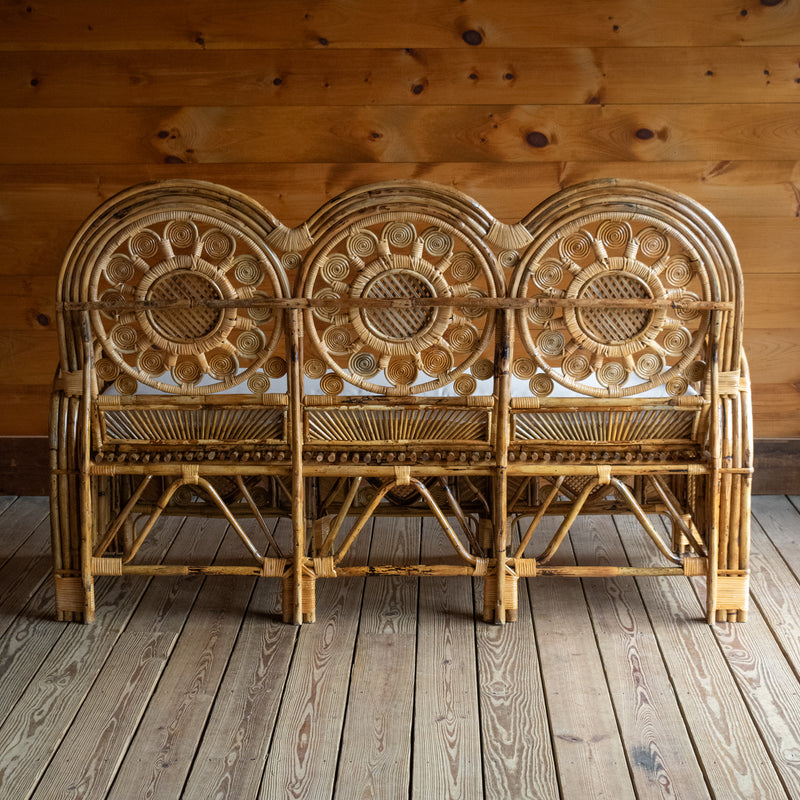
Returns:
<point x="192" y="688"/>
<point x="39" y="720"/>
<point x="512" y="701"/>
<point x="17" y="522"/>
<point x="230" y="760"/>
<point x="447" y="756"/>
<point x="375" y="757"/>
<point x="588" y="747"/>
<point x="659" y="746"/>
<point x="727" y="740"/>
<point x="23" y="575"/>
<point x="86" y="763"/>
<point x="305" y="746"/>
<point x="163" y="749"/>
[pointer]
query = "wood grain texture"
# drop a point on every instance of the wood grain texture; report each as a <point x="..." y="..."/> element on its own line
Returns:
<point x="26" y="407"/>
<point x="198" y="25"/>
<point x="447" y="748"/>
<point x="161" y="753"/>
<point x="21" y="349"/>
<point x="659" y="747"/>
<point x="302" y="759"/>
<point x="773" y="583"/>
<point x="775" y="410"/>
<point x="49" y="201"/>
<point x="414" y="76"/>
<point x="23" y="575"/>
<point x="589" y="753"/>
<point x="32" y="633"/>
<point x="778" y="518"/>
<point x="295" y="104"/>
<point x="135" y="664"/>
<point x="28" y="636"/>
<point x="512" y="699"/>
<point x="32" y="245"/>
<point x="734" y="759"/>
<point x="230" y="759"/>
<point x="375" y="756"/>
<point x="401" y="133"/>
<point x="761" y="667"/>
<point x="766" y="294"/>
<point x="26" y="517"/>
<point x="6" y="502"/>
<point x="701" y="670"/>
<point x="762" y="672"/>
<point x="51" y="699"/>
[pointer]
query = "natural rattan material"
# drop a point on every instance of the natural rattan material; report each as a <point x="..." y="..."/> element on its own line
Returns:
<point x="430" y="360"/>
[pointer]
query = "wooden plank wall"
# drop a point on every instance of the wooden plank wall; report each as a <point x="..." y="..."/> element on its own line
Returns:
<point x="293" y="102"/>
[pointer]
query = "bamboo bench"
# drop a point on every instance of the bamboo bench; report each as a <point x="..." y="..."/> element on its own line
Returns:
<point x="401" y="352"/>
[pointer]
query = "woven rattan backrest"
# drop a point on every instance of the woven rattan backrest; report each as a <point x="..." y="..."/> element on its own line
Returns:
<point x="637" y="288"/>
<point x="391" y="264"/>
<point x="157" y="272"/>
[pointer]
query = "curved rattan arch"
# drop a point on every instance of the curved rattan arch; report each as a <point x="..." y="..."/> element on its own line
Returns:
<point x="231" y="214"/>
<point x="700" y="227"/>
<point x="413" y="211"/>
<point x="707" y="254"/>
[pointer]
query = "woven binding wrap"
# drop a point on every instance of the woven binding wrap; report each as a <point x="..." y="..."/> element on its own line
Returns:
<point x="191" y="473"/>
<point x="103" y="469"/>
<point x="510" y="598"/>
<point x="695" y="566"/>
<point x="69" y="594"/>
<point x="402" y="475"/>
<point x="324" y="567"/>
<point x="525" y="402"/>
<point x="107" y="566"/>
<point x="604" y="475"/>
<point x="71" y="383"/>
<point x="274" y="567"/>
<point x="733" y="591"/>
<point x="481" y="567"/>
<point x="729" y="382"/>
<point x="525" y="567"/>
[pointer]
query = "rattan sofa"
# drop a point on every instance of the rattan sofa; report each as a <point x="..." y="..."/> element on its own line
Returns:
<point x="401" y="352"/>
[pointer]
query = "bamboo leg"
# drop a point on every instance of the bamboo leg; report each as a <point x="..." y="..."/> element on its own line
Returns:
<point x="505" y="606"/>
<point x="87" y="510"/>
<point x="715" y="483"/>
<point x="296" y="608"/>
<point x="746" y="486"/>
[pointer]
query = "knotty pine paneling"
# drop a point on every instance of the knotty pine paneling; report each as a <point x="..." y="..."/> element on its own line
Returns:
<point x="355" y="24"/>
<point x="464" y="76"/>
<point x="36" y="196"/>
<point x="344" y="134"/>
<point x="293" y="103"/>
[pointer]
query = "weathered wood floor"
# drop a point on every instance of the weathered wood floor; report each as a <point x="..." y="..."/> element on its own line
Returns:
<point x="192" y="688"/>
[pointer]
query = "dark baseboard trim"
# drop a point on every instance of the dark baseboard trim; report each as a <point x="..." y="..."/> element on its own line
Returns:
<point x="777" y="466"/>
<point x="24" y="466"/>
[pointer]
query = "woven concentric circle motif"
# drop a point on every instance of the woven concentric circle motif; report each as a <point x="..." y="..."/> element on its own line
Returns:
<point x="171" y="283"/>
<point x="393" y="280"/>
<point x="614" y="307"/>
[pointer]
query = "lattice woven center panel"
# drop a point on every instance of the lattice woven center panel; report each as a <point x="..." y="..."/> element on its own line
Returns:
<point x="184" y="324"/>
<point x="612" y="325"/>
<point x="398" y="323"/>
